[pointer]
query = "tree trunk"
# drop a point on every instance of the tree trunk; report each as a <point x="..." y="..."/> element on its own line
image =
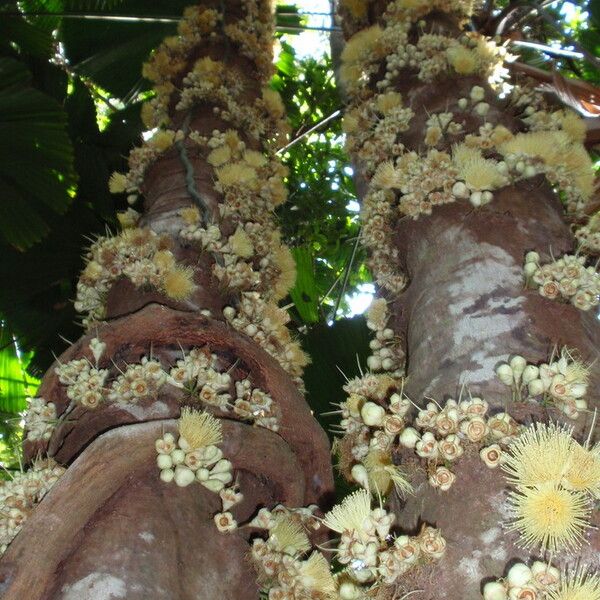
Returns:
<point x="110" y="528"/>
<point x="453" y="277"/>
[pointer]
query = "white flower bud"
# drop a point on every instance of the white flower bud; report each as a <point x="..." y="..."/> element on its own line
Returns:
<point x="372" y="414"/>
<point x="536" y="387"/>
<point x="184" y="476"/>
<point x="388" y="333"/>
<point x="374" y="363"/>
<point x="475" y="199"/>
<point x="359" y="474"/>
<point x="505" y="374"/>
<point x="530" y="373"/>
<point x="214" y="485"/>
<point x="462" y="103"/>
<point x="517" y="364"/>
<point x="202" y="474"/>
<point x="529" y="171"/>
<point x="409" y="437"/>
<point x="486" y="197"/>
<point x="164" y="461"/>
<point x="482" y="108"/>
<point x="167" y="475"/>
<point x="518" y="575"/>
<point x="229" y="312"/>
<point x="460" y="190"/>
<point x="477" y="93"/>
<point x="387" y="364"/>
<point x="530" y="268"/>
<point x="532" y="257"/>
<point x="494" y="590"/>
<point x="177" y="456"/>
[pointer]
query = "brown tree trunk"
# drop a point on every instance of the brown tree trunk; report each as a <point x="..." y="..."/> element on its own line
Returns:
<point x="110" y="528"/>
<point x="464" y="309"/>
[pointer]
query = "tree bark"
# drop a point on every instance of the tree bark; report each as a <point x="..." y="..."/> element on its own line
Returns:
<point x="110" y="528"/>
<point x="465" y="310"/>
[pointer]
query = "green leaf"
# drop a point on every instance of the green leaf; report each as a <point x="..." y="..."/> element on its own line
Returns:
<point x="36" y="160"/>
<point x="336" y="352"/>
<point x="305" y="293"/>
<point x="15" y="384"/>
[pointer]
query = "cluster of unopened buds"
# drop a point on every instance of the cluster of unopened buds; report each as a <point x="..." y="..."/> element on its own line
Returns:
<point x="524" y="583"/>
<point x="386" y="352"/>
<point x="195" y="456"/>
<point x="443" y="432"/>
<point x="563" y="381"/>
<point x="566" y="278"/>
<point x="40" y="419"/>
<point x="200" y="375"/>
<point x="84" y="381"/>
<point x="138" y="381"/>
<point x="20" y="495"/>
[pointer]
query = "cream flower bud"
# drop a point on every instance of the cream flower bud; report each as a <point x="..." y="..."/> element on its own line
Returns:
<point x="475" y="429"/>
<point x="544" y="575"/>
<point x="229" y="312"/>
<point x="477" y="93"/>
<point x="494" y="590"/>
<point x="225" y="522"/>
<point x="372" y="414"/>
<point x="374" y="363"/>
<point x="164" y="461"/>
<point x="532" y="257"/>
<point x="167" y="475"/>
<point x="530" y="269"/>
<point x="442" y="478"/>
<point x="517" y="364"/>
<point x="518" y="575"/>
<point x="214" y="485"/>
<point x="178" y="456"/>
<point x="450" y="447"/>
<point x="505" y="374"/>
<point x="349" y="591"/>
<point x="409" y="437"/>
<point x="462" y="103"/>
<point x="475" y="198"/>
<point x="460" y="190"/>
<point x="360" y="475"/>
<point x="530" y="373"/>
<point x="526" y="592"/>
<point x="536" y="387"/>
<point x="184" y="476"/>
<point x="393" y="424"/>
<point x="491" y="455"/>
<point x="427" y="446"/>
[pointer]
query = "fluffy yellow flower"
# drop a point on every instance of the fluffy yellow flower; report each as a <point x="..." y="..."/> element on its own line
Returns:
<point x="199" y="429"/>
<point x="240" y="244"/>
<point x="383" y="474"/>
<point x="462" y="60"/>
<point x="549" y="517"/>
<point x="235" y="174"/>
<point x="219" y="156"/>
<point x="579" y="584"/>
<point x="178" y="283"/>
<point x="573" y="125"/>
<point x="284" y="261"/>
<point x="117" y="183"/>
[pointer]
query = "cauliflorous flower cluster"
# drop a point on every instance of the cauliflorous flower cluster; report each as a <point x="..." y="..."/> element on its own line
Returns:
<point x="140" y="255"/>
<point x="439" y="435"/>
<point x="588" y="236"/>
<point x="138" y="381"/>
<point x="84" y="381"/>
<point x="367" y="550"/>
<point x="195" y="456"/>
<point x="566" y="278"/>
<point x="21" y="494"/>
<point x="563" y="381"/>
<point x="200" y="374"/>
<point x="388" y="354"/>
<point x="372" y="418"/>
<point x="40" y="419"/>
<point x="555" y="482"/>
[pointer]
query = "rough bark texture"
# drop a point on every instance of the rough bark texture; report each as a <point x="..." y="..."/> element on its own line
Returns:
<point x="464" y="311"/>
<point x="110" y="528"/>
